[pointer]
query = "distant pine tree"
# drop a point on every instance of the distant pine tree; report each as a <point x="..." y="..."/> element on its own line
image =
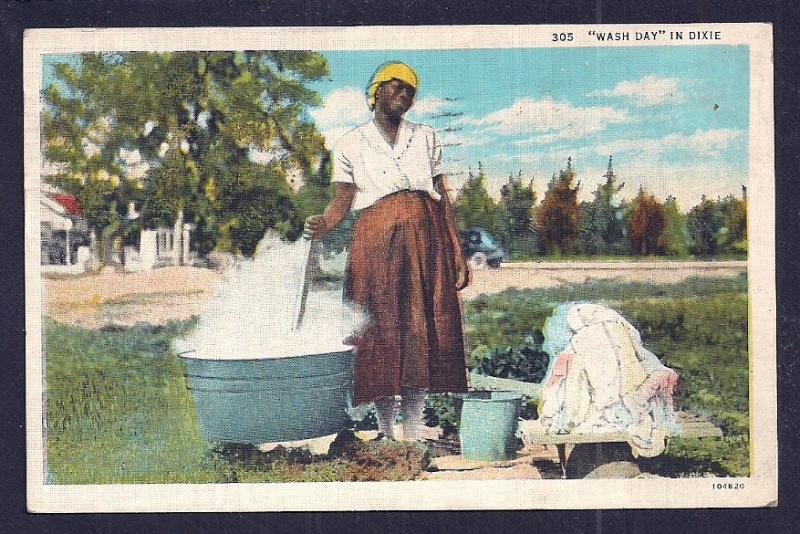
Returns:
<point x="474" y="206"/>
<point x="517" y="199"/>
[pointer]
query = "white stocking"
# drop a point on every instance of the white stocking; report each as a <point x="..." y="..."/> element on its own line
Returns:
<point x="412" y="404"/>
<point x="384" y="412"/>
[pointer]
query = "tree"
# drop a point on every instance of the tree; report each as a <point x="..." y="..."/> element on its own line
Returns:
<point x="474" y="206"/>
<point x="734" y="214"/>
<point x="674" y="240"/>
<point x="646" y="223"/>
<point x="517" y="199"/>
<point x="193" y="119"/>
<point x="704" y="222"/>
<point x="557" y="218"/>
<point x="606" y="229"/>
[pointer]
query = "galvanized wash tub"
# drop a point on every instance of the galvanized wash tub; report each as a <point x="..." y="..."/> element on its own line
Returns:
<point x="271" y="399"/>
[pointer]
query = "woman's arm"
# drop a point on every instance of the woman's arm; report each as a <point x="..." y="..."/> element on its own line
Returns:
<point x="440" y="184"/>
<point x="317" y="226"/>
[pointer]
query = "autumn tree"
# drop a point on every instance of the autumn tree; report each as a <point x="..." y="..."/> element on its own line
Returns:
<point x="177" y="131"/>
<point x="474" y="206"/>
<point x="646" y="223"/>
<point x="517" y="199"/>
<point x="557" y="217"/>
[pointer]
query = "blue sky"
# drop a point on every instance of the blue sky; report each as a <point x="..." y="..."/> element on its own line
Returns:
<point x="674" y="118"/>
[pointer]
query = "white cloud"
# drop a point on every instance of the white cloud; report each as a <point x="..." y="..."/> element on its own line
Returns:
<point x="649" y="91"/>
<point x="554" y="120"/>
<point x="705" y="143"/>
<point x="428" y="106"/>
<point x="463" y="140"/>
<point x="342" y="110"/>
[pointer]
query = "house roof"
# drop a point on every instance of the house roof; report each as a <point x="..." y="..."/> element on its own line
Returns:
<point x="68" y="202"/>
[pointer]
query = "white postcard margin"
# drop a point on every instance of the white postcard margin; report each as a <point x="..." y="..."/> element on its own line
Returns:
<point x="759" y="489"/>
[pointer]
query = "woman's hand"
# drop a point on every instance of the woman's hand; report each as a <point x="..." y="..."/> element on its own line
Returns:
<point x="462" y="275"/>
<point x="316" y="227"/>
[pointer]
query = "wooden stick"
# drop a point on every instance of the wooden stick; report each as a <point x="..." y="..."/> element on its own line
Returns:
<point x="307" y="275"/>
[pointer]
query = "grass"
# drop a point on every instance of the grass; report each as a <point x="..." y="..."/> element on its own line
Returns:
<point x="118" y="410"/>
<point x="624" y="257"/>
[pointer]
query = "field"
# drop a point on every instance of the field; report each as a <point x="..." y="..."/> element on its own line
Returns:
<point x="118" y="410"/>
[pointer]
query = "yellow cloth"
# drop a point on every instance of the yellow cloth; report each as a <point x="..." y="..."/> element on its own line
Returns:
<point x="388" y="71"/>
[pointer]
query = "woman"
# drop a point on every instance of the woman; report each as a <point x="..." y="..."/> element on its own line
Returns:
<point x="405" y="264"/>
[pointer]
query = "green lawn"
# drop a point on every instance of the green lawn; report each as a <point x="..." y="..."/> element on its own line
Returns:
<point x="118" y="410"/>
<point x="623" y="257"/>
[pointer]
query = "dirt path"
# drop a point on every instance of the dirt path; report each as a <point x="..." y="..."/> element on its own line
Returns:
<point x="177" y="293"/>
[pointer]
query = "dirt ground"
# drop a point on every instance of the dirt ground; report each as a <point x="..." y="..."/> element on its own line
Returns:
<point x="93" y="300"/>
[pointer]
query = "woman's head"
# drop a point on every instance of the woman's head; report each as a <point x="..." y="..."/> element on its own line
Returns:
<point x="392" y="88"/>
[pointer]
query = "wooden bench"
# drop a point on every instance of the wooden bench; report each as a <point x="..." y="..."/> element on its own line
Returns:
<point x="584" y="457"/>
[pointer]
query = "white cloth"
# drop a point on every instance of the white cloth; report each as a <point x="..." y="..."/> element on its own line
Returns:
<point x="363" y="157"/>
<point x="612" y="384"/>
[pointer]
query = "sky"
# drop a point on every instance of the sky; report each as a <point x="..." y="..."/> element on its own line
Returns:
<point x="675" y="119"/>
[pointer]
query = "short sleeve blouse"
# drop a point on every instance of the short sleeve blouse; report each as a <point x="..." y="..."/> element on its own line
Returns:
<point x="363" y="157"/>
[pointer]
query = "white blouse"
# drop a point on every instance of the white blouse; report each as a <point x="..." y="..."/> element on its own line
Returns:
<point x="363" y="157"/>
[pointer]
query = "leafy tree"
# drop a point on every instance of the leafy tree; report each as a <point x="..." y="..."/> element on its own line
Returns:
<point x="734" y="213"/>
<point x="704" y="222"/>
<point x="558" y="216"/>
<point x="193" y="118"/>
<point x="674" y="240"/>
<point x="517" y="199"/>
<point x="474" y="206"/>
<point x="646" y="223"/>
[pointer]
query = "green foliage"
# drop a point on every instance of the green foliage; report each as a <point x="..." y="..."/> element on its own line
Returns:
<point x="602" y="228"/>
<point x="674" y="239"/>
<point x="443" y="410"/>
<point x="558" y="216"/>
<point x="705" y="222"/>
<point x="516" y="217"/>
<point x="527" y="362"/>
<point x="474" y="206"/>
<point x="194" y="118"/>
<point x="734" y="233"/>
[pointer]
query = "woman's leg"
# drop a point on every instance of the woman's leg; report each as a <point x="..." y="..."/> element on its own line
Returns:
<point x="412" y="405"/>
<point x="384" y="412"/>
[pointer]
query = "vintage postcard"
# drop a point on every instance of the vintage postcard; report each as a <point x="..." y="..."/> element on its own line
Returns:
<point x="400" y="268"/>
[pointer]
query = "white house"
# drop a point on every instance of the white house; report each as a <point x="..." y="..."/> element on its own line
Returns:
<point x="65" y="234"/>
<point x="160" y="247"/>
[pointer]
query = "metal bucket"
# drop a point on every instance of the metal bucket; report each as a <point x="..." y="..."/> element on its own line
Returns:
<point x="489" y="425"/>
<point x="271" y="399"/>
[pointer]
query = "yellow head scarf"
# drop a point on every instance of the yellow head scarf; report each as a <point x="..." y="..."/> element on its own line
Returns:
<point x="388" y="71"/>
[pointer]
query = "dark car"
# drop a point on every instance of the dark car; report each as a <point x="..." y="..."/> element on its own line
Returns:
<point x="480" y="248"/>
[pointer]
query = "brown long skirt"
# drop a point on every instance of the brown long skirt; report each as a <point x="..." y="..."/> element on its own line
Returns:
<point x="401" y="270"/>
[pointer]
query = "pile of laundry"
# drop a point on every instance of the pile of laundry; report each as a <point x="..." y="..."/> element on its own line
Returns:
<point x="602" y="380"/>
